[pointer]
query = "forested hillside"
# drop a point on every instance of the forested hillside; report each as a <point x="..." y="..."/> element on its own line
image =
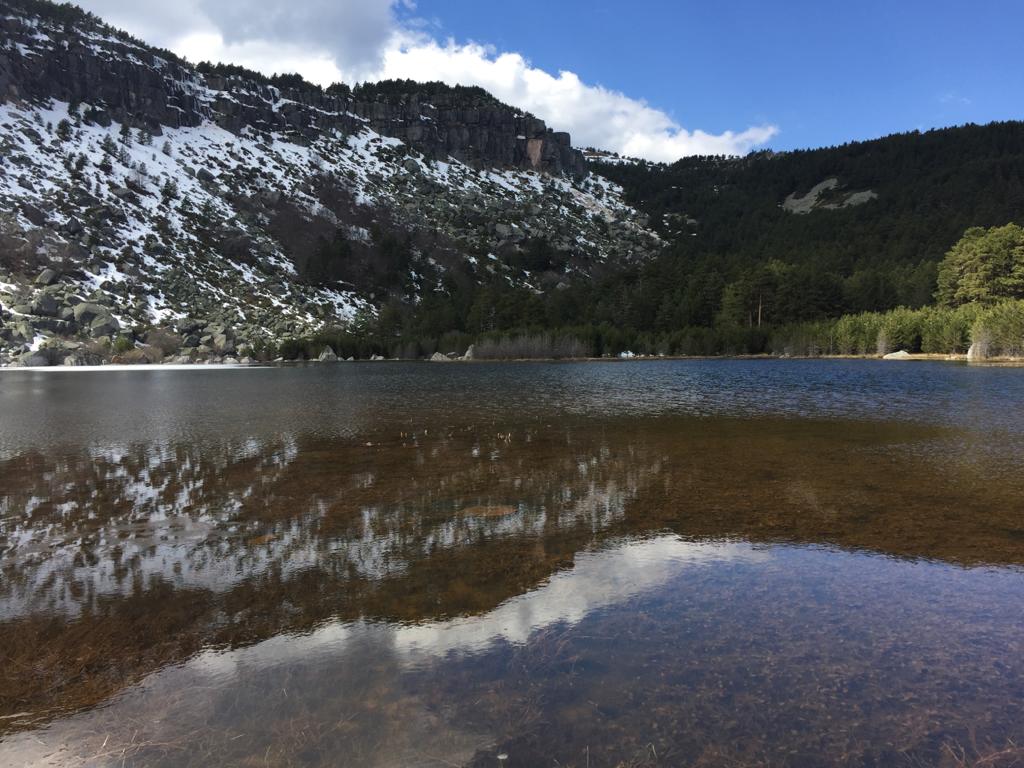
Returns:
<point x="750" y="227"/>
<point x="754" y="247"/>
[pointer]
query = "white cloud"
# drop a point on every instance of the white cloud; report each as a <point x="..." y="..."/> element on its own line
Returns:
<point x="356" y="40"/>
<point x="315" y="66"/>
<point x="952" y="97"/>
<point x="595" y="116"/>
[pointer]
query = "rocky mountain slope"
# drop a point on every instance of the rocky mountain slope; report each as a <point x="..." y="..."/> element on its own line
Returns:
<point x="153" y="208"/>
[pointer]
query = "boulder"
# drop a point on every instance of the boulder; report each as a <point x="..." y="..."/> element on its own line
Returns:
<point x="223" y="343"/>
<point x="23" y="332"/>
<point x="33" y="214"/>
<point x="88" y="311"/>
<point x="131" y="357"/>
<point x="54" y="325"/>
<point x="104" y="325"/>
<point x="46" y="277"/>
<point x="45" y="305"/>
<point x="34" y="360"/>
<point x="438" y="357"/>
<point x="976" y="353"/>
<point x="470" y="353"/>
<point x="901" y="355"/>
<point x="328" y="356"/>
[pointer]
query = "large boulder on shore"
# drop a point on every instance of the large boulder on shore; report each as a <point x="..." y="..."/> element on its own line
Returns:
<point x="438" y="357"/>
<point x="328" y="356"/>
<point x="976" y="353"/>
<point x="34" y="360"/>
<point x="901" y="355"/>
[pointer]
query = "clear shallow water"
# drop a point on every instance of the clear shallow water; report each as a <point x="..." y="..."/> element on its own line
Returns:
<point x="680" y="563"/>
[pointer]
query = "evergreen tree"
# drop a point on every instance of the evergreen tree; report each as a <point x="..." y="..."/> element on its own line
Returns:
<point x="64" y="130"/>
<point x="985" y="266"/>
<point x="169" y="190"/>
<point x="108" y="146"/>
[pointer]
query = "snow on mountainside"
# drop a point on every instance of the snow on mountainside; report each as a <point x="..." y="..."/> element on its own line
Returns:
<point x="115" y="224"/>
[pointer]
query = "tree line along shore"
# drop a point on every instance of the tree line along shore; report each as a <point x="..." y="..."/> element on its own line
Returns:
<point x="977" y="313"/>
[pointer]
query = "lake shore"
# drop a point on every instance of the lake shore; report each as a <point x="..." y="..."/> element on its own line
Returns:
<point x="242" y="365"/>
<point x="179" y="362"/>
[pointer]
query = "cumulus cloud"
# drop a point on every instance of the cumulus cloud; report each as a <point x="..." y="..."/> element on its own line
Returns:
<point x="594" y="115"/>
<point x="354" y="32"/>
<point x="273" y="36"/>
<point x="357" y="40"/>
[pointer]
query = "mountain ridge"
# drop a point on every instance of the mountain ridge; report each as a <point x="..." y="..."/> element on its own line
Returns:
<point x="239" y="213"/>
<point x="151" y="88"/>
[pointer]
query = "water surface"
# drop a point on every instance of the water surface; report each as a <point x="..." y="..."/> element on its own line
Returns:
<point x="679" y="563"/>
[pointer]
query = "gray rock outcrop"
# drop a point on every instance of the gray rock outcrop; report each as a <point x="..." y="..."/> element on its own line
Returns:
<point x="126" y="81"/>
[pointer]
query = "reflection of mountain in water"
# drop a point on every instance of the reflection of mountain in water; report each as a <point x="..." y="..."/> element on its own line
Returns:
<point x="116" y="563"/>
<point x="108" y="524"/>
<point x="120" y="562"/>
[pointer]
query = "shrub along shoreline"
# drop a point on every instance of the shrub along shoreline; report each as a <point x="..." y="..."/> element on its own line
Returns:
<point x="991" y="332"/>
<point x="995" y="331"/>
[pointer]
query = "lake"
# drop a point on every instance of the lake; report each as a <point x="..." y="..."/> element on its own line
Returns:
<point x="678" y="563"/>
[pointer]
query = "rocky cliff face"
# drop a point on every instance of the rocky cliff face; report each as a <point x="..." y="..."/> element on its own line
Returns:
<point x="147" y="208"/>
<point x="83" y="61"/>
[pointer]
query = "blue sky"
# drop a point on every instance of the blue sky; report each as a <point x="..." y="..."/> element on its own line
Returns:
<point x="647" y="78"/>
<point x="823" y="72"/>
